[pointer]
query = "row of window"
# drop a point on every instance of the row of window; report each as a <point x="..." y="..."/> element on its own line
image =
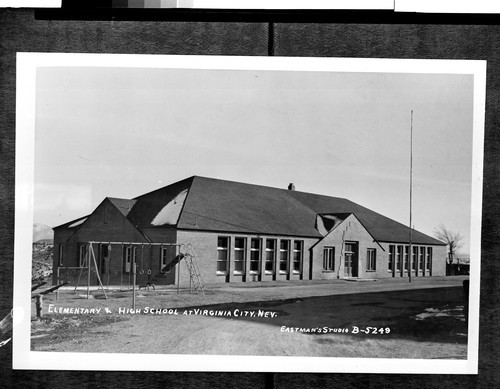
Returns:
<point x="289" y="253"/>
<point x="421" y="258"/>
<point x="350" y="255"/>
<point x="167" y="254"/>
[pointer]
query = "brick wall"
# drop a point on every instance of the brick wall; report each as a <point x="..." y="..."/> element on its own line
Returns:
<point x="205" y="246"/>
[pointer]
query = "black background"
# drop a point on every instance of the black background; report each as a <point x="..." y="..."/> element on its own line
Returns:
<point x="374" y="34"/>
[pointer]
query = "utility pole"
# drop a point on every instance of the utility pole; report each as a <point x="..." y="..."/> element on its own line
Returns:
<point x="410" y="251"/>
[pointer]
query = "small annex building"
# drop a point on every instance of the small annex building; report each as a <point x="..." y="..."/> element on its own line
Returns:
<point x="242" y="233"/>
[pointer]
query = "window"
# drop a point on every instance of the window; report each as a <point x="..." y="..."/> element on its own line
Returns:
<point x="407" y="257"/>
<point x="422" y="257"/>
<point x="130" y="256"/>
<point x="164" y="256"/>
<point x="297" y="256"/>
<point x="414" y="259"/>
<point x="82" y="256"/>
<point x="414" y="255"/>
<point x="399" y="257"/>
<point x="104" y="260"/>
<point x="390" y="264"/>
<point x="270" y="255"/>
<point x="328" y="258"/>
<point x="255" y="255"/>
<point x="428" y="262"/>
<point x="239" y="255"/>
<point x="371" y="259"/>
<point x="284" y="255"/>
<point x="61" y="250"/>
<point x="222" y="255"/>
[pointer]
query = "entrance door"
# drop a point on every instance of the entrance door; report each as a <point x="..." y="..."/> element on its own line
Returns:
<point x="350" y="260"/>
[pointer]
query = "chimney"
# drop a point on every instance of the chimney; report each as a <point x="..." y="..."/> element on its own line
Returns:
<point x="291" y="186"/>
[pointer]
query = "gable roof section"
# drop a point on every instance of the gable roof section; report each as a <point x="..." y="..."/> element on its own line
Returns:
<point x="149" y="208"/>
<point x="123" y="205"/>
<point x="380" y="227"/>
<point x="73" y="223"/>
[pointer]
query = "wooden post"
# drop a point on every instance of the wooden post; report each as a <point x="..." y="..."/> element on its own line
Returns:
<point x="178" y="273"/>
<point x="133" y="283"/>
<point x="88" y="275"/>
<point x="57" y="291"/>
<point x="39" y="305"/>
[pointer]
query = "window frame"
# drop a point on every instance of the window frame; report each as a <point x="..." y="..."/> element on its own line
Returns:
<point x="328" y="259"/>
<point x="371" y="260"/>
<point x="284" y="257"/>
<point x="130" y="257"/>
<point x="273" y="259"/>
<point x="61" y="254"/>
<point x="399" y="258"/>
<point x="259" y="255"/>
<point x="300" y="253"/>
<point x="422" y="252"/>
<point x="243" y="250"/>
<point x="220" y="249"/>
<point x="428" y="259"/>
<point x="82" y="253"/>
<point x="391" y="258"/>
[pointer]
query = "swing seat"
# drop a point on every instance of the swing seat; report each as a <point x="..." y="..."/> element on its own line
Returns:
<point x="147" y="285"/>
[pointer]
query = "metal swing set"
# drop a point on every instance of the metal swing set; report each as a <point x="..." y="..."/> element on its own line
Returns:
<point x="183" y="252"/>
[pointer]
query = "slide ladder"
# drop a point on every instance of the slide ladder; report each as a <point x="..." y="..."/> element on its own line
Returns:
<point x="194" y="271"/>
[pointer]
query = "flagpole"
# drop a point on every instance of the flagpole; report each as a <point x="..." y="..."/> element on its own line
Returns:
<point x="410" y="251"/>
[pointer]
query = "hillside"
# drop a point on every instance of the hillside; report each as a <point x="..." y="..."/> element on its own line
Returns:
<point x="42" y="232"/>
<point x="41" y="264"/>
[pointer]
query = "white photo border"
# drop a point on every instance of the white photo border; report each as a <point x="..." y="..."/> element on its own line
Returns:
<point x="24" y="358"/>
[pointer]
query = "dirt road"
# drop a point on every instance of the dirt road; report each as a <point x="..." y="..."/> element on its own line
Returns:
<point x="422" y="323"/>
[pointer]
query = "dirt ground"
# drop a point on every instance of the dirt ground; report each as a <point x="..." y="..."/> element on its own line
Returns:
<point x="421" y="320"/>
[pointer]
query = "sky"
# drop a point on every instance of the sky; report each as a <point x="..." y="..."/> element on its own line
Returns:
<point x="122" y="132"/>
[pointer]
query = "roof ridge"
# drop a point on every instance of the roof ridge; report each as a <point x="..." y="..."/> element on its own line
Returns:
<point x="265" y="186"/>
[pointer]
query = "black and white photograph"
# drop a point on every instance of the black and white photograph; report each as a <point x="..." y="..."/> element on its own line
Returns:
<point x="248" y="213"/>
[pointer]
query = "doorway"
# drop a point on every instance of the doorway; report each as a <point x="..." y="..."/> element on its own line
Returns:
<point x="351" y="259"/>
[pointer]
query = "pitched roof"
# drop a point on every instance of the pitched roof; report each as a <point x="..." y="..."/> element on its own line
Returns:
<point x="123" y="205"/>
<point x="220" y="205"/>
<point x="208" y="204"/>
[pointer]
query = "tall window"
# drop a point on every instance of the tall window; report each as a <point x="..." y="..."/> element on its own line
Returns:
<point x="270" y="255"/>
<point x="399" y="257"/>
<point x="130" y="256"/>
<point x="422" y="256"/>
<point x="297" y="256"/>
<point x="284" y="255"/>
<point x="390" y="263"/>
<point x="328" y="258"/>
<point x="407" y="257"/>
<point x="255" y="255"/>
<point x="222" y="254"/>
<point x="428" y="262"/>
<point x="239" y="255"/>
<point x="82" y="255"/>
<point x="414" y="253"/>
<point x="61" y="251"/>
<point x="414" y="259"/>
<point x="371" y="259"/>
